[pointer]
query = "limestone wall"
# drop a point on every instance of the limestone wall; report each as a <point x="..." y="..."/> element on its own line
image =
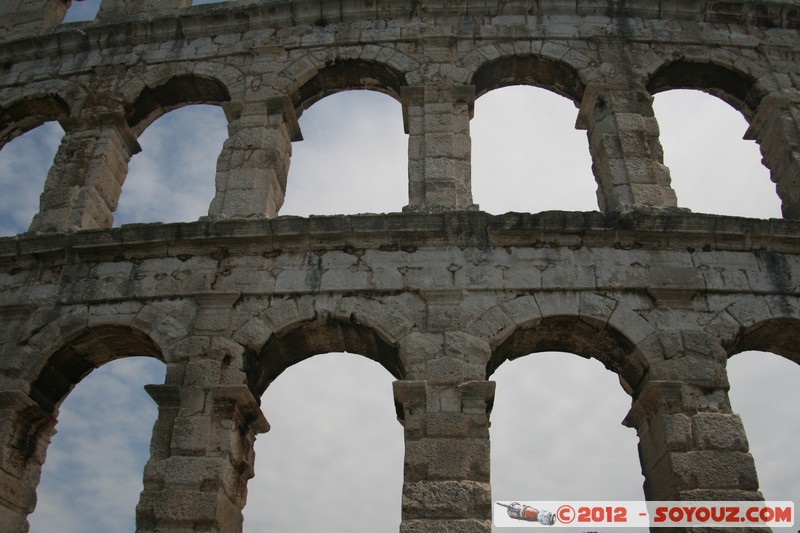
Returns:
<point x="440" y="294"/>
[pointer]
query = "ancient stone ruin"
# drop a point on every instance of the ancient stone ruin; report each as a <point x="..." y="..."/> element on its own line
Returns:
<point x="440" y="294"/>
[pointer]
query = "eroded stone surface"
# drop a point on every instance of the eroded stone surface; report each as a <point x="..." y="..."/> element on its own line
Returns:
<point x="440" y="294"/>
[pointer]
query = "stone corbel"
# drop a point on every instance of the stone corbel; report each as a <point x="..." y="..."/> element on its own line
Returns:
<point x="767" y="109"/>
<point x="410" y="96"/>
<point x="237" y="402"/>
<point x="282" y="106"/>
<point x="656" y="397"/>
<point x="410" y="398"/>
<point x="477" y="397"/>
<point x="465" y="94"/>
<point x="166" y="396"/>
<point x="592" y="96"/>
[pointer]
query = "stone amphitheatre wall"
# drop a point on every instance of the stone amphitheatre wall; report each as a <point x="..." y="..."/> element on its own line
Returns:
<point x="440" y="294"/>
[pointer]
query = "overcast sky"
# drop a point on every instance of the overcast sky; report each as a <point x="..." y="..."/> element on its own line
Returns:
<point x="333" y="460"/>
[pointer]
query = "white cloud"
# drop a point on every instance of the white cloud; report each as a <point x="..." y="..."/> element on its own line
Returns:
<point x="172" y="178"/>
<point x="24" y="163"/>
<point x="93" y="473"/>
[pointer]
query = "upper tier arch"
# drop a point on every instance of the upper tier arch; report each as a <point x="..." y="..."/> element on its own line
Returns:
<point x="737" y="88"/>
<point x="348" y="74"/>
<point x="176" y="91"/>
<point x="539" y="71"/>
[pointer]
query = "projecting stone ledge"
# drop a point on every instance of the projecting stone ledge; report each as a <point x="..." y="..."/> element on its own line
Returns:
<point x="671" y="230"/>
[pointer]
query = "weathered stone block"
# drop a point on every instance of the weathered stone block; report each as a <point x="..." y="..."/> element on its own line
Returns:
<point x="714" y="470"/>
<point x="447" y="459"/>
<point x="446" y="526"/>
<point x="191" y="435"/>
<point x="724" y="432"/>
<point x="446" y="499"/>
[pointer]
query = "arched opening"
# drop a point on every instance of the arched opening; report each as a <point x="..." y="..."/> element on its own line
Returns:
<point x="557" y="434"/>
<point x="764" y="393"/>
<point x="713" y="169"/>
<point x="104" y="429"/>
<point x="764" y="372"/>
<point x="82" y="10"/>
<point x="574" y="335"/>
<point x="178" y="91"/>
<point x="29" y="113"/>
<point x="344" y="75"/>
<point x="333" y="459"/>
<point x="173" y="178"/>
<point x="319" y="336"/>
<point x="732" y="86"/>
<point x="24" y="165"/>
<point x="527" y="155"/>
<point x="538" y="71"/>
<point x="84" y="353"/>
<point x="550" y="408"/>
<point x="93" y="474"/>
<point x="353" y="157"/>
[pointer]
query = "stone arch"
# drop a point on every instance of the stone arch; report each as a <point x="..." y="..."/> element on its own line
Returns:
<point x="177" y="91"/>
<point x="315" y="337"/>
<point x="571" y="334"/>
<point x="26" y="439"/>
<point x="768" y="324"/>
<point x="146" y="321"/>
<point x="537" y="70"/>
<point x="588" y="325"/>
<point x="30" y="112"/>
<point x="81" y="354"/>
<point x="342" y="74"/>
<point x="734" y="86"/>
<point x="348" y="330"/>
<point x="780" y="335"/>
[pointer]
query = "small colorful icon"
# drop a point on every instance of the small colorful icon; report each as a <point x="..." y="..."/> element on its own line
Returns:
<point x="529" y="514"/>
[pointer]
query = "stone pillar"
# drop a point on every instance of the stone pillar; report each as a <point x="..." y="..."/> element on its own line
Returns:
<point x="202" y="445"/>
<point x="691" y="446"/>
<point x="83" y="186"/>
<point x="25" y="433"/>
<point x="110" y="9"/>
<point x="439" y="147"/>
<point x="446" y="481"/>
<point x="18" y="17"/>
<point x="254" y="162"/>
<point x="627" y="159"/>
<point x="776" y="128"/>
